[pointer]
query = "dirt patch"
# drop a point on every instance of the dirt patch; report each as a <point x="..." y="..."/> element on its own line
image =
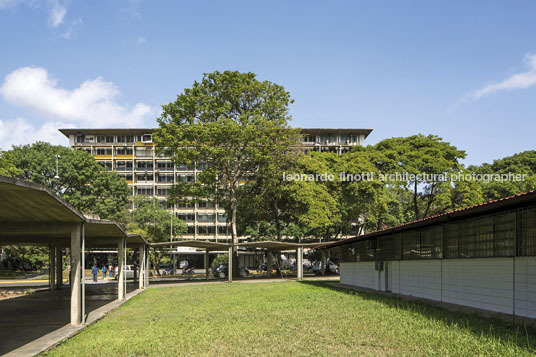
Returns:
<point x="13" y="293"/>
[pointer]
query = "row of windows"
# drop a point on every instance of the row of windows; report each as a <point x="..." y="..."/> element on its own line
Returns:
<point x="109" y="139"/>
<point x="331" y="139"/>
<point x="208" y="230"/>
<point x="161" y="178"/>
<point x="202" y="217"/>
<point x="508" y="234"/>
<point x="149" y="166"/>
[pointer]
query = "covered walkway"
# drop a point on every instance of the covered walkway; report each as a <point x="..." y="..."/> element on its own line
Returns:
<point x="30" y="214"/>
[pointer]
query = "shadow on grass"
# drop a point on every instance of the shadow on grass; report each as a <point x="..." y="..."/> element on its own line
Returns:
<point x="519" y="334"/>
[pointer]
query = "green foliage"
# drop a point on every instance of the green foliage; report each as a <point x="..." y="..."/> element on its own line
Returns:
<point x="424" y="155"/>
<point x="521" y="163"/>
<point x="233" y="123"/>
<point x="7" y="168"/>
<point x="220" y="258"/>
<point x="82" y="182"/>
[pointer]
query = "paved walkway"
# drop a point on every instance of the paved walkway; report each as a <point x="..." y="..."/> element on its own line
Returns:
<point x="30" y="324"/>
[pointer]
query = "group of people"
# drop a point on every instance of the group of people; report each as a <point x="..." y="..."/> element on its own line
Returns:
<point x="109" y="269"/>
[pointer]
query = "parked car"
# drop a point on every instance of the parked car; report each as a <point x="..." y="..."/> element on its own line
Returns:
<point x="129" y="272"/>
<point x="332" y="267"/>
<point x="307" y="264"/>
<point x="222" y="270"/>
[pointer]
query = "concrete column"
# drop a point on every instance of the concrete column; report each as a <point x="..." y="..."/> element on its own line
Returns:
<point x="76" y="276"/>
<point x="146" y="267"/>
<point x="299" y="263"/>
<point x="121" y="272"/>
<point x="141" y="282"/>
<point x="230" y="265"/>
<point x="52" y="267"/>
<point x="59" y="267"/>
<point x="269" y="259"/>
<point x="323" y="260"/>
<point x="206" y="264"/>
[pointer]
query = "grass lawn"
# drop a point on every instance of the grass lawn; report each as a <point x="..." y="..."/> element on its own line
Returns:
<point x="290" y="318"/>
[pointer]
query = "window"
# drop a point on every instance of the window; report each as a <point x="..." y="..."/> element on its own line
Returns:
<point x="89" y="139"/>
<point x="223" y="230"/>
<point x="130" y="139"/>
<point x="79" y="139"/>
<point x="526" y="232"/>
<point x="206" y="217"/>
<point x="190" y="230"/>
<point x="144" y="152"/>
<point x="121" y="138"/>
<point x="222" y="217"/>
<point x="202" y="166"/>
<point x="106" y="165"/>
<point x="123" y="151"/>
<point x="105" y="139"/>
<point x="164" y="165"/>
<point x="148" y="191"/>
<point x="206" y="230"/>
<point x="206" y="204"/>
<point x="146" y="138"/>
<point x="127" y="177"/>
<point x="187" y="217"/>
<point x="185" y="178"/>
<point x="162" y="191"/>
<point x="165" y="177"/>
<point x="104" y="151"/>
<point x="309" y="139"/>
<point x="144" y="177"/>
<point x="123" y="165"/>
<point x="184" y="167"/>
<point x="144" y="165"/>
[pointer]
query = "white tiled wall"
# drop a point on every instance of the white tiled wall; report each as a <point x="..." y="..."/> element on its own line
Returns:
<point x="481" y="283"/>
<point x="525" y="287"/>
<point x="486" y="283"/>
<point x="421" y="279"/>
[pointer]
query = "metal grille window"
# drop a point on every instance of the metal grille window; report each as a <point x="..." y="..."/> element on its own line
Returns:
<point x="432" y="243"/>
<point x="504" y="234"/>
<point x="484" y="237"/>
<point x="526" y="232"/>
<point x="411" y="245"/>
<point x="450" y="241"/>
<point x="387" y="248"/>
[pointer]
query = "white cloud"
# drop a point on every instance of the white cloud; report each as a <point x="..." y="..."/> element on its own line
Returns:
<point x="522" y="80"/>
<point x="92" y="104"/>
<point x="57" y="14"/>
<point x="19" y="132"/>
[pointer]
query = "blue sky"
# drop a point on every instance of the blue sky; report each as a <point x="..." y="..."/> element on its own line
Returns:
<point x="463" y="70"/>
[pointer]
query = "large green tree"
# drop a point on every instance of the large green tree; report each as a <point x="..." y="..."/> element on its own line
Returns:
<point x="80" y="180"/>
<point x="421" y="155"/>
<point x="234" y="124"/>
<point x="523" y="163"/>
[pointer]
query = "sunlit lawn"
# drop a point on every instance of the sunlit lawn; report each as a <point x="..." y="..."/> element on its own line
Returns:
<point x="291" y="318"/>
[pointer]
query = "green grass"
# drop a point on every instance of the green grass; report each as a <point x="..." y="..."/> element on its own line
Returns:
<point x="13" y="274"/>
<point x="282" y="319"/>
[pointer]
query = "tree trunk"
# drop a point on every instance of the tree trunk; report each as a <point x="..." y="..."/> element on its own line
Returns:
<point x="415" y="205"/>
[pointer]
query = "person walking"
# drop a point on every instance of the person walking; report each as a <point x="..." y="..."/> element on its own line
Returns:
<point x="104" y="271"/>
<point x="110" y="270"/>
<point x="95" y="272"/>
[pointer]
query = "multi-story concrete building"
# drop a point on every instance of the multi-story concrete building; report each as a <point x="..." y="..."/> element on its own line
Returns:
<point x="131" y="153"/>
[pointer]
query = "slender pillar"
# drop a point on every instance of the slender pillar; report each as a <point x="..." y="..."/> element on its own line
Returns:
<point x="141" y="259"/>
<point x="59" y="267"/>
<point x="121" y="272"/>
<point x="299" y="263"/>
<point x="230" y="265"/>
<point x="206" y="264"/>
<point x="52" y="267"/>
<point x="323" y="268"/>
<point x="76" y="276"/>
<point x="147" y="270"/>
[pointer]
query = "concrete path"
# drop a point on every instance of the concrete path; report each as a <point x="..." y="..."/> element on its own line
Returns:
<point x="33" y="323"/>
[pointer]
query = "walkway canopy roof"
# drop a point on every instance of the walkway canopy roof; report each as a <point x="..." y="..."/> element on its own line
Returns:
<point x="32" y="214"/>
<point x="274" y="245"/>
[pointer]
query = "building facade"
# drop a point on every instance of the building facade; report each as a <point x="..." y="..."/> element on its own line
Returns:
<point x="131" y="153"/>
<point x="482" y="257"/>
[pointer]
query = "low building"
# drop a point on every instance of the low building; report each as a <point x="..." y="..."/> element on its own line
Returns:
<point x="482" y="256"/>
